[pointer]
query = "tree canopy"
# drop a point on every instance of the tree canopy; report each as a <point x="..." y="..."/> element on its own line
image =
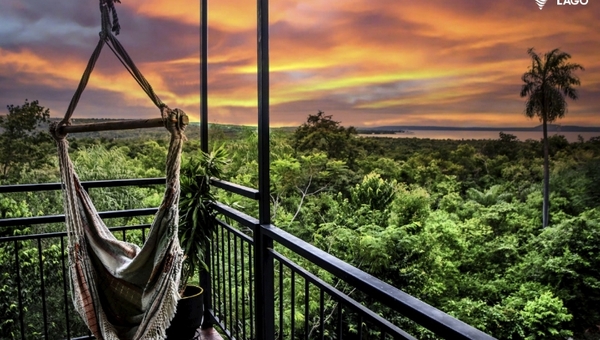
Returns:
<point x="454" y="223"/>
<point x="547" y="82"/>
<point x="21" y="142"/>
<point x="321" y="133"/>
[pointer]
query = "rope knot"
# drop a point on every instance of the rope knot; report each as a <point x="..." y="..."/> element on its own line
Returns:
<point x="175" y="120"/>
<point x="54" y="131"/>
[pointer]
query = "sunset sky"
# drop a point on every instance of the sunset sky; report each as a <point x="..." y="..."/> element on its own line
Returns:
<point x="366" y="62"/>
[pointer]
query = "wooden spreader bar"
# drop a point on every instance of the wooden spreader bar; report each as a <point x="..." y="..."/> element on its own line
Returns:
<point x="119" y="125"/>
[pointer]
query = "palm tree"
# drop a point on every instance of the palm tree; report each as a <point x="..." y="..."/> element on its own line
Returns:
<point x="494" y="195"/>
<point x="547" y="82"/>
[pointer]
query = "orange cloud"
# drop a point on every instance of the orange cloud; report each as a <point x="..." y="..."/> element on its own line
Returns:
<point x="368" y="62"/>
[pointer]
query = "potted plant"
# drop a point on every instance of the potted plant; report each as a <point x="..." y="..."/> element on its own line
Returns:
<point x="196" y="227"/>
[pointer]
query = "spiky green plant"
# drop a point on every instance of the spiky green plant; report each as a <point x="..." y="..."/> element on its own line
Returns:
<point x="196" y="215"/>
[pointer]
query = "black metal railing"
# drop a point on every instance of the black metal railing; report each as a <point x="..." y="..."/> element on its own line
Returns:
<point x="314" y="294"/>
<point x="307" y="307"/>
<point x="34" y="287"/>
<point x="35" y="301"/>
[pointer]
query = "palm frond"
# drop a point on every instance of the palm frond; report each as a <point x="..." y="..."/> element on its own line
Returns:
<point x="547" y="82"/>
<point x="197" y="218"/>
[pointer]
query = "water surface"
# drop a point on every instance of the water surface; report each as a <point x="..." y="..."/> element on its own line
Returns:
<point x="475" y="134"/>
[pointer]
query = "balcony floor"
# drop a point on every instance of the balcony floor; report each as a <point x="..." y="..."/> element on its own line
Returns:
<point x="208" y="334"/>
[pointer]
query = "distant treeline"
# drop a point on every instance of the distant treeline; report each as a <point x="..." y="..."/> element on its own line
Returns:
<point x="551" y="127"/>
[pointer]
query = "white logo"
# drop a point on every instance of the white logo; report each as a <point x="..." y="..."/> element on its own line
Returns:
<point x="571" y="2"/>
<point x="541" y="3"/>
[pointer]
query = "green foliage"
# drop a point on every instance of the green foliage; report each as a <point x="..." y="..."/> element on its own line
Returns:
<point x="453" y="223"/>
<point x="99" y="163"/>
<point x="592" y="172"/>
<point x="544" y="317"/>
<point x="460" y="232"/>
<point x="322" y="133"/>
<point x="374" y="192"/>
<point x="489" y="197"/>
<point x="410" y="206"/>
<point x="22" y="146"/>
<point x="152" y="156"/>
<point x="197" y="218"/>
<point x="546" y="81"/>
<point x="10" y="208"/>
<point x="567" y="258"/>
<point x="29" y="281"/>
<point x="506" y="145"/>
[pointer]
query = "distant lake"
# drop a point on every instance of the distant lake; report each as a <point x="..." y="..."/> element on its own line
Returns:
<point x="470" y="134"/>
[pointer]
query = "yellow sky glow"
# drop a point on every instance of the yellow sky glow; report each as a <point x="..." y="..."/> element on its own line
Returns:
<point x="371" y="62"/>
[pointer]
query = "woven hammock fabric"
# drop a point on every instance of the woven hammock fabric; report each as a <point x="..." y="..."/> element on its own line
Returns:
<point x="120" y="290"/>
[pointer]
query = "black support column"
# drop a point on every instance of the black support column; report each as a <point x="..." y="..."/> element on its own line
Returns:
<point x="263" y="261"/>
<point x="204" y="76"/>
<point x="205" y="278"/>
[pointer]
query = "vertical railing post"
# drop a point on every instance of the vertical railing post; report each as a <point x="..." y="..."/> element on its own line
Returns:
<point x="204" y="76"/>
<point x="205" y="278"/>
<point x="264" y="271"/>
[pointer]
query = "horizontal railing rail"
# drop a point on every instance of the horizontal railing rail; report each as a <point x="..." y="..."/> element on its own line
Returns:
<point x="20" y="221"/>
<point x="58" y="234"/>
<point x="86" y="185"/>
<point x="235" y="188"/>
<point x="238" y="216"/>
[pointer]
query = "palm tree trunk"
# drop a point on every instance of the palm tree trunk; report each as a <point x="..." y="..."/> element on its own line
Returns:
<point x="546" y="206"/>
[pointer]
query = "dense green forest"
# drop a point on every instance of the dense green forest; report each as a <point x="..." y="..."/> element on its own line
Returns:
<point x="455" y="223"/>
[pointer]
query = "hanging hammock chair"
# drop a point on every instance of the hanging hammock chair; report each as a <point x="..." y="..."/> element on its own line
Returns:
<point x="120" y="290"/>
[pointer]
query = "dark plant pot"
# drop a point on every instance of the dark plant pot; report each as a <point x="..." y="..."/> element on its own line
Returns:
<point x="188" y="317"/>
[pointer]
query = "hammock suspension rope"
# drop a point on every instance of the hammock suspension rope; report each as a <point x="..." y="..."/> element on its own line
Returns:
<point x="122" y="291"/>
